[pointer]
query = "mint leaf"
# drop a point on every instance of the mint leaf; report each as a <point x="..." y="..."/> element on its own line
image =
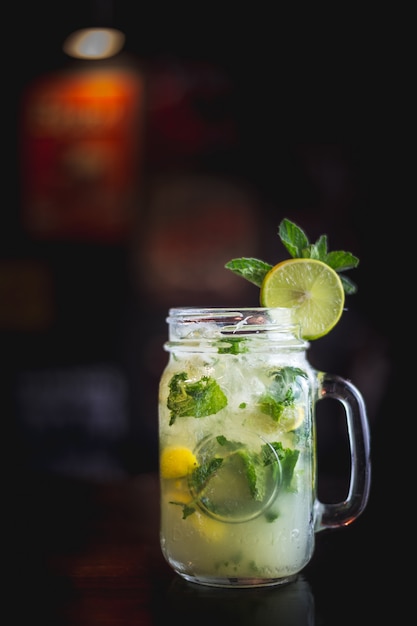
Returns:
<point x="283" y="391"/>
<point x="230" y="446"/>
<point x="288" y="459"/>
<point x="198" y="481"/>
<point x="348" y="285"/>
<point x="293" y="238"/>
<point x="187" y="509"/>
<point x="202" y="474"/>
<point x="233" y="345"/>
<point x="255" y="473"/>
<point x="311" y="252"/>
<point x="194" y="398"/>
<point x="341" y="260"/>
<point x="249" y="268"/>
<point x="321" y="245"/>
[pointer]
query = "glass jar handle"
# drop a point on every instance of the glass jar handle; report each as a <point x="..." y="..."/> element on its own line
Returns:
<point x="343" y="513"/>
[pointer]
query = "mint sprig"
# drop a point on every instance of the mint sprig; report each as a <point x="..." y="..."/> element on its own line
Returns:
<point x="194" y="398"/>
<point x="298" y="245"/>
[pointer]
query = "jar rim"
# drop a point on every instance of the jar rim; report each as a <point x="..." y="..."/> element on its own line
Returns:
<point x="211" y="322"/>
<point x="198" y="310"/>
<point x="248" y="315"/>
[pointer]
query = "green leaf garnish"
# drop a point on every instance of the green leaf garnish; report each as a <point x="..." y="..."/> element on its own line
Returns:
<point x="251" y="269"/>
<point x="297" y="244"/>
<point x="293" y="238"/>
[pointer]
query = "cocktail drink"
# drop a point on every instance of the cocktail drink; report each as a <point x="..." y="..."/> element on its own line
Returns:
<point x="238" y="447"/>
<point x="238" y="466"/>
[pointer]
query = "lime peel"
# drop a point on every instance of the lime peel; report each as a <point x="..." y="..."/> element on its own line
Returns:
<point x="312" y="288"/>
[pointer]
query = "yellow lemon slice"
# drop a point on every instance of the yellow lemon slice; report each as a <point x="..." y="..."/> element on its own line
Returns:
<point x="176" y="461"/>
<point x="292" y="417"/>
<point x="310" y="287"/>
<point x="207" y="527"/>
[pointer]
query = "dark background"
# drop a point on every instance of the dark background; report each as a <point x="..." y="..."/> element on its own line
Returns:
<point x="254" y="83"/>
<point x="250" y="83"/>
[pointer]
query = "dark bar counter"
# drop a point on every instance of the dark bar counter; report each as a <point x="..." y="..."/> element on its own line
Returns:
<point x="87" y="553"/>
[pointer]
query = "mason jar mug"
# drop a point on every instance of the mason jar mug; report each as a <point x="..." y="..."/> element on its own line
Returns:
<point x="238" y="448"/>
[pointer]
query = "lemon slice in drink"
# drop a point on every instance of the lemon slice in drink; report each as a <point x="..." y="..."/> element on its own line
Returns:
<point x="176" y="462"/>
<point x="312" y="288"/>
<point x="292" y="417"/>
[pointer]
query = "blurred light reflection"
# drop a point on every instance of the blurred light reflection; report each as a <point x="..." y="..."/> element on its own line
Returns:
<point x="94" y="43"/>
